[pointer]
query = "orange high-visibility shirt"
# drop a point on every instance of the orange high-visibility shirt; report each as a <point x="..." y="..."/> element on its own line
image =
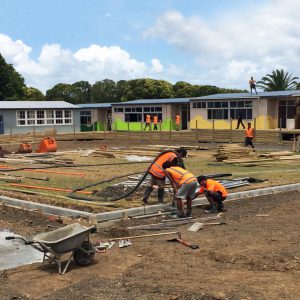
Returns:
<point x="157" y="169"/>
<point x="148" y="119"/>
<point x="180" y="176"/>
<point x="215" y="186"/>
<point x="155" y="120"/>
<point x="251" y="82"/>
<point x="177" y="119"/>
<point x="249" y="132"/>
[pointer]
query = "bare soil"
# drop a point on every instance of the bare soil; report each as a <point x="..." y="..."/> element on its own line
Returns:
<point x="252" y="257"/>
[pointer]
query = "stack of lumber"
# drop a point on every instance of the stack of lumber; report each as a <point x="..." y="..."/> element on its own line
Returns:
<point x="233" y="152"/>
<point x="277" y="154"/>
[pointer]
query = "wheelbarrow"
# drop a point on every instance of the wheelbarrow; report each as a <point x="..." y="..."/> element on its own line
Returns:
<point x="72" y="238"/>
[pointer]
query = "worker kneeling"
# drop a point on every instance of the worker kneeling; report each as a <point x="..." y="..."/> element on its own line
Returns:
<point x="184" y="184"/>
<point x="214" y="192"/>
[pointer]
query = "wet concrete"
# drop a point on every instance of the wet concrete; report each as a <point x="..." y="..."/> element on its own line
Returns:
<point x="13" y="253"/>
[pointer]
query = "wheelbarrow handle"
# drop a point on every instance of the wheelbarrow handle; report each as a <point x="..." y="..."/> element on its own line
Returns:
<point x="9" y="238"/>
<point x="19" y="238"/>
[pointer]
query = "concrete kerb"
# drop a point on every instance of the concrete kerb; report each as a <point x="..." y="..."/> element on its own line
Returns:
<point x="138" y="211"/>
<point x="45" y="208"/>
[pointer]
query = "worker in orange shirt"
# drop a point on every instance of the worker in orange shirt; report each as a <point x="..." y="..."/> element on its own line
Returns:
<point x="157" y="173"/>
<point x="148" y="122"/>
<point x="155" y="122"/>
<point x="249" y="136"/>
<point x="184" y="184"/>
<point x="214" y="192"/>
<point x="177" y="121"/>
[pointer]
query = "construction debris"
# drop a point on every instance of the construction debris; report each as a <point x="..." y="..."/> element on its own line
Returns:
<point x="233" y="151"/>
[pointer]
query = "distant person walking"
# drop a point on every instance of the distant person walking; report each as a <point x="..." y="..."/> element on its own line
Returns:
<point x="249" y="136"/>
<point x="240" y="121"/>
<point x="155" y="122"/>
<point x="177" y="122"/>
<point x="148" y="122"/>
<point x="252" y="84"/>
<point x="109" y="122"/>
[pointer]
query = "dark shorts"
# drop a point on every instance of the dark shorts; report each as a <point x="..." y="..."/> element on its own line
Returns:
<point x="249" y="141"/>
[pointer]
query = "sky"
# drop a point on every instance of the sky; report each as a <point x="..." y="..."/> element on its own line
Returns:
<point x="213" y="42"/>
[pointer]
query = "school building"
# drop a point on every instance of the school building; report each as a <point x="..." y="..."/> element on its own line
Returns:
<point x="265" y="110"/>
<point x="131" y="115"/>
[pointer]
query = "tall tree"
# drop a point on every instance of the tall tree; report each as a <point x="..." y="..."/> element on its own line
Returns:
<point x="81" y="92"/>
<point x="104" y="91"/>
<point x="61" y="91"/>
<point x="31" y="93"/>
<point x="278" y="80"/>
<point x="11" y="82"/>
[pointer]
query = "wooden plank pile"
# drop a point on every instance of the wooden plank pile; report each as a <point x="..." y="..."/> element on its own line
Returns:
<point x="233" y="152"/>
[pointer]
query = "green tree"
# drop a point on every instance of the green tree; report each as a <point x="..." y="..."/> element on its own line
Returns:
<point x="183" y="89"/>
<point x="80" y="92"/>
<point x="278" y="80"/>
<point x="11" y="82"/>
<point x="31" y="93"/>
<point x="104" y="91"/>
<point x="61" y="91"/>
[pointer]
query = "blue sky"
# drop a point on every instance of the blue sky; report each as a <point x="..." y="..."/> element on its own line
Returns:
<point x="213" y="42"/>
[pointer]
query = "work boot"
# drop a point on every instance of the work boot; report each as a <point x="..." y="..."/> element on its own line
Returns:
<point x="180" y="214"/>
<point x="212" y="210"/>
<point x="147" y="193"/>
<point x="160" y="195"/>
<point x="188" y="212"/>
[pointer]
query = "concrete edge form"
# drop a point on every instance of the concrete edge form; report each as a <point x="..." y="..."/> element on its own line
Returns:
<point x="138" y="211"/>
<point x="45" y="208"/>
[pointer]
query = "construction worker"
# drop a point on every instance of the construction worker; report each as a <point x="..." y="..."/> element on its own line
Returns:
<point x="249" y="136"/>
<point x="184" y="184"/>
<point x="158" y="173"/>
<point x="240" y="121"/>
<point x="148" y="122"/>
<point x="214" y="192"/>
<point x="155" y="121"/>
<point x="252" y="85"/>
<point x="177" y="121"/>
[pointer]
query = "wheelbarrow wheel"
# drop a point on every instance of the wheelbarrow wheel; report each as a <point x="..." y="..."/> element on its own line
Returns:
<point x="84" y="258"/>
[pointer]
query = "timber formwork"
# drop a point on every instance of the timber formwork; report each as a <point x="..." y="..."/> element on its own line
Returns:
<point x="182" y="137"/>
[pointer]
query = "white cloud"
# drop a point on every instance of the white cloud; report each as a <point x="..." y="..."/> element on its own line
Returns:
<point x="230" y="48"/>
<point x="56" y="64"/>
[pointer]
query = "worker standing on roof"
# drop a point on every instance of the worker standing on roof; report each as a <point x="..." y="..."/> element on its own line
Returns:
<point x="155" y="121"/>
<point x="177" y="121"/>
<point x="148" y="122"/>
<point x="252" y="84"/>
<point x="249" y="136"/>
<point x="214" y="192"/>
<point x="184" y="184"/>
<point x="158" y="173"/>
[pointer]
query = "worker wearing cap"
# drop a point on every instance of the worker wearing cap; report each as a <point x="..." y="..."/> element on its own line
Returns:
<point x="148" y="121"/>
<point x="249" y="136"/>
<point x="184" y="184"/>
<point x="214" y="192"/>
<point x="157" y="173"/>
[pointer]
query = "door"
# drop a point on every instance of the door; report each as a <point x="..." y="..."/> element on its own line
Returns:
<point x="185" y="116"/>
<point x="1" y="125"/>
<point x="282" y="116"/>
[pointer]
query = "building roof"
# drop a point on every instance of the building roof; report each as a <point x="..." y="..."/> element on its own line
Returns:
<point x="249" y="95"/>
<point x="154" y="101"/>
<point x="36" y="105"/>
<point x="95" y="105"/>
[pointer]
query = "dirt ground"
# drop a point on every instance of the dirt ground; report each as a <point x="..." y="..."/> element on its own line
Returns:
<point x="252" y="257"/>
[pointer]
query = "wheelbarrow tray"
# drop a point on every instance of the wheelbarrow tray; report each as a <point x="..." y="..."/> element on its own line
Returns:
<point x="65" y="239"/>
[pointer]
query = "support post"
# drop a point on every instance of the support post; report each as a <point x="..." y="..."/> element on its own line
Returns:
<point x="230" y="130"/>
<point x="280" y="133"/>
<point x="213" y="128"/>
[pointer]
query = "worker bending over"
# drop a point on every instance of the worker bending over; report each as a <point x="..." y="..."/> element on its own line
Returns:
<point x="249" y="136"/>
<point x="184" y="184"/>
<point x="158" y="173"/>
<point x="214" y="192"/>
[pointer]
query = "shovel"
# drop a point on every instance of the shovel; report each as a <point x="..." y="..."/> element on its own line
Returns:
<point x="197" y="226"/>
<point x="184" y="243"/>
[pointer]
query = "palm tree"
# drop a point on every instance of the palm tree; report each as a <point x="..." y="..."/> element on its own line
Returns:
<point x="279" y="80"/>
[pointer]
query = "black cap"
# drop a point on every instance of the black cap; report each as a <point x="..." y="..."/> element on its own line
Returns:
<point x="182" y="151"/>
<point x="201" y="178"/>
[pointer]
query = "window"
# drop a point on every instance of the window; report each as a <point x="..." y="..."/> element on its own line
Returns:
<point x="133" y="117"/>
<point x="44" y="117"/>
<point x="201" y="104"/>
<point x="241" y="108"/>
<point x="217" y="114"/>
<point x="118" y="109"/>
<point x="85" y="117"/>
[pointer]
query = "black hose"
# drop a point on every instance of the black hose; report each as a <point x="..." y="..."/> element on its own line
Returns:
<point x="74" y="196"/>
